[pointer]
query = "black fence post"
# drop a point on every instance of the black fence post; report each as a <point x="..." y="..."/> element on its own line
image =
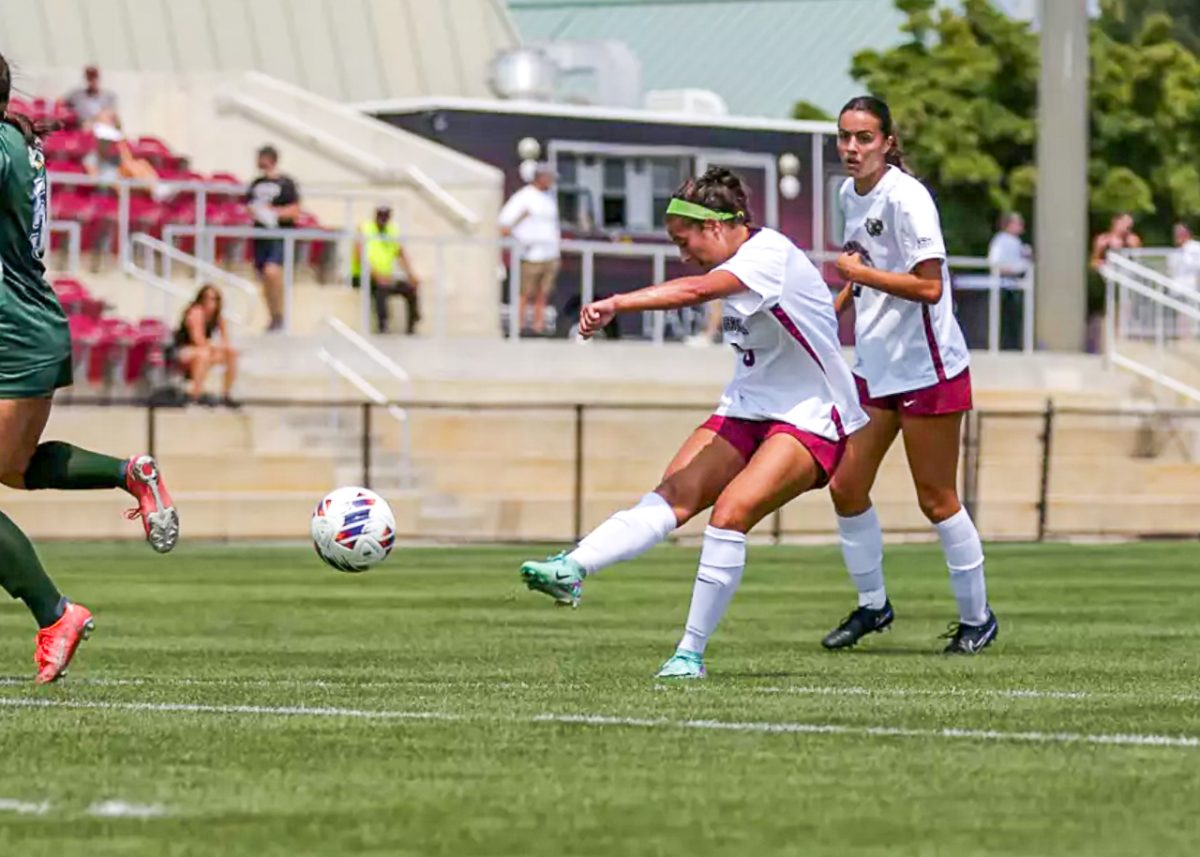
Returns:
<point x="151" y="428"/>
<point x="577" y="510"/>
<point x="366" y="445"/>
<point x="1044" y="490"/>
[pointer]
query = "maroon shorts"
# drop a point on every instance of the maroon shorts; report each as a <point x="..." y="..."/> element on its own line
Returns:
<point x="951" y="396"/>
<point x="746" y="436"/>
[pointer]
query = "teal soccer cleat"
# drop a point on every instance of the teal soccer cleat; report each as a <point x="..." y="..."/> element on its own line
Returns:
<point x="683" y="664"/>
<point x="559" y="577"/>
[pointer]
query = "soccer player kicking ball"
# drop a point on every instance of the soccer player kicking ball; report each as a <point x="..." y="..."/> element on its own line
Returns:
<point x="781" y="425"/>
<point x="35" y="360"/>
<point x="912" y="373"/>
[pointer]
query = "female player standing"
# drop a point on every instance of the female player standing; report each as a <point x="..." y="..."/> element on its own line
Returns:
<point x="35" y="360"/>
<point x="912" y="375"/>
<point x="781" y="425"/>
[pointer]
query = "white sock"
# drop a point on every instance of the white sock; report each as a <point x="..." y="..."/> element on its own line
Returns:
<point x="964" y="558"/>
<point x="722" y="560"/>
<point x="627" y="534"/>
<point x="862" y="551"/>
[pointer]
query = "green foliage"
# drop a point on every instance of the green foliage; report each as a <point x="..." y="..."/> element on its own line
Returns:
<point x="1124" y="18"/>
<point x="808" y="110"/>
<point x="963" y="90"/>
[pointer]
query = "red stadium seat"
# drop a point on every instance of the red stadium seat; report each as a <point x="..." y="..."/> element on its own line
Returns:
<point x="234" y="194"/>
<point x="68" y="145"/>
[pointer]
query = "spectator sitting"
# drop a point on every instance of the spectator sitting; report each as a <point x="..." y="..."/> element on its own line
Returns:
<point x="113" y="159"/>
<point x="198" y="352"/>
<point x="89" y="101"/>
<point x="274" y="202"/>
<point x="384" y="251"/>
<point x="531" y="217"/>
<point x="1184" y="264"/>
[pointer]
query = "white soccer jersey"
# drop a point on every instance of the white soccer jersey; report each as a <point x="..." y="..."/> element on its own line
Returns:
<point x="900" y="345"/>
<point x="789" y="362"/>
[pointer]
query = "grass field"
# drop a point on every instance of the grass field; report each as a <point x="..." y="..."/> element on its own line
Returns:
<point x="251" y="702"/>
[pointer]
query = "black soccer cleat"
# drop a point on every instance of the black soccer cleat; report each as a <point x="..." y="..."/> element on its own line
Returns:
<point x="863" y="621"/>
<point x="971" y="639"/>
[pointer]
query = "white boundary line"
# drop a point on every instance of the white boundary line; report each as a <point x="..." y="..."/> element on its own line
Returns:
<point x="1126" y="740"/>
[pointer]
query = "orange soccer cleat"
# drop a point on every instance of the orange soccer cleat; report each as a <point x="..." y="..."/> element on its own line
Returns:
<point x="154" y="503"/>
<point x="56" y="645"/>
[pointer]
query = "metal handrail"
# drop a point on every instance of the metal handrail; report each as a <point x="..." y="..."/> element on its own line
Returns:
<point x="204" y="269"/>
<point x="1119" y="260"/>
<point x="1125" y="274"/>
<point x="373" y="394"/>
<point x="366" y="347"/>
<point x="149" y="274"/>
<point x="74" y="241"/>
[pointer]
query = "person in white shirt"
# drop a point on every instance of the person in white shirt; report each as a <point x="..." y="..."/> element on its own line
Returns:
<point x="912" y="373"/>
<point x="1010" y="258"/>
<point x="780" y="428"/>
<point x="1184" y="264"/>
<point x="1008" y="255"/>
<point x="531" y="217"/>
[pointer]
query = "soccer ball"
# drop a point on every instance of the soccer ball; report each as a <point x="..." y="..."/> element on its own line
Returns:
<point x="353" y="529"/>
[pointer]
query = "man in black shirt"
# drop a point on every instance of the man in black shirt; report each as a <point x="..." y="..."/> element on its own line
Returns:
<point x="274" y="202"/>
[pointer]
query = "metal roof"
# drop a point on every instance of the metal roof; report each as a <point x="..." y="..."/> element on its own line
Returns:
<point x="761" y="56"/>
<point x="579" y="111"/>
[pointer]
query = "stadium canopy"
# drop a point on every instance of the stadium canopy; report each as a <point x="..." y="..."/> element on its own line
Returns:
<point x="760" y="56"/>
<point x="347" y="50"/>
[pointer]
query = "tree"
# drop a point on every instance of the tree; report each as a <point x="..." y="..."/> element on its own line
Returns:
<point x="808" y="110"/>
<point x="963" y="90"/>
<point x="1123" y="19"/>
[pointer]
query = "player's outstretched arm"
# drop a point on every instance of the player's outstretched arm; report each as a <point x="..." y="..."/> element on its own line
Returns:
<point x="673" y="294"/>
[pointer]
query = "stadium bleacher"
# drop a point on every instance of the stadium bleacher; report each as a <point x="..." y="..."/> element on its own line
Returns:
<point x="96" y="208"/>
<point x="112" y="354"/>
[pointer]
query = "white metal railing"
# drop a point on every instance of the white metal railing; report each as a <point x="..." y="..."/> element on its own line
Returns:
<point x="74" y="233"/>
<point x="655" y="324"/>
<point x="152" y="262"/>
<point x="206" y="240"/>
<point x="367" y="349"/>
<point x="1152" y="325"/>
<point x="202" y="191"/>
<point x="995" y="285"/>
<point x="340" y="369"/>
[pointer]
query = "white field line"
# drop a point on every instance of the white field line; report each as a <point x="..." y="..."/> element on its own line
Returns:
<point x="101" y="809"/>
<point x="447" y="686"/>
<point x="22" y="807"/>
<point x="121" y="809"/>
<point x="1134" y="740"/>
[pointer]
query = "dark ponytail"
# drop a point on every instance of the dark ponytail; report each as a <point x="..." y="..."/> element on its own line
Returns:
<point x="721" y="190"/>
<point x="878" y="108"/>
<point x="31" y="129"/>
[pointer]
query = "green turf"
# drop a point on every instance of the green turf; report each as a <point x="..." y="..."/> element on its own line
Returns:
<point x="453" y="632"/>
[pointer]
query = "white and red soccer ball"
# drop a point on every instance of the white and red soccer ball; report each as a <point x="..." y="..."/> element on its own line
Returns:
<point x="353" y="529"/>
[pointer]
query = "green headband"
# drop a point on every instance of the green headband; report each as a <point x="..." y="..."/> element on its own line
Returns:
<point x="683" y="208"/>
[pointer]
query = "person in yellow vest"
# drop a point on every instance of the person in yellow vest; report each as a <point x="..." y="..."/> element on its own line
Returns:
<point x="383" y="257"/>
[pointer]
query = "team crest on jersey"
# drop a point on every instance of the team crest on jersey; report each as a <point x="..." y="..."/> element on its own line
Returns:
<point x="873" y="226"/>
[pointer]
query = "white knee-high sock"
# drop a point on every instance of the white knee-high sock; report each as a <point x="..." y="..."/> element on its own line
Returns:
<point x="722" y="560"/>
<point x="964" y="558"/>
<point x="862" y="551"/>
<point x="626" y="534"/>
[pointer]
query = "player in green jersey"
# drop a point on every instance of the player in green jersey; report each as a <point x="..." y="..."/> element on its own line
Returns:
<point x="35" y="360"/>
